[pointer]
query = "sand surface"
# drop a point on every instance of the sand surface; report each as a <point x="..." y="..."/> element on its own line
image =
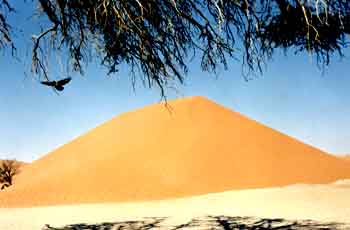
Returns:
<point x="198" y="148"/>
<point x="326" y="203"/>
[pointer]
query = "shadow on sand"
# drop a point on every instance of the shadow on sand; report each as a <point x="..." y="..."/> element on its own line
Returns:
<point x="206" y="223"/>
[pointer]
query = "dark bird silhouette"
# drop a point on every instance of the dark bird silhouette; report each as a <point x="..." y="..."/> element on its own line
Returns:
<point x="245" y="6"/>
<point x="58" y="85"/>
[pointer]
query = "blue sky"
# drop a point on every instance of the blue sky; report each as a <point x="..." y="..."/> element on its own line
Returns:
<point x="292" y="96"/>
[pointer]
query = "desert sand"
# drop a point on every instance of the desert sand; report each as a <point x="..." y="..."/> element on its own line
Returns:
<point x="197" y="147"/>
<point x="324" y="203"/>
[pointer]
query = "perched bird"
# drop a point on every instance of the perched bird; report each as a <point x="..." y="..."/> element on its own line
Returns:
<point x="58" y="85"/>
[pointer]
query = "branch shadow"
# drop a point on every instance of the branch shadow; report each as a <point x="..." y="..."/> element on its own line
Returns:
<point x="208" y="223"/>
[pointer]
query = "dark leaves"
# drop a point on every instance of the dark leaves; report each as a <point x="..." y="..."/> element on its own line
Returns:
<point x="156" y="38"/>
<point x="8" y="169"/>
<point x="5" y="28"/>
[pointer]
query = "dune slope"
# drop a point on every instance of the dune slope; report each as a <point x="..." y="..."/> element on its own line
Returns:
<point x="200" y="147"/>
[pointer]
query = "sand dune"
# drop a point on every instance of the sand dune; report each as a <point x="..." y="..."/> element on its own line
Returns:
<point x="198" y="148"/>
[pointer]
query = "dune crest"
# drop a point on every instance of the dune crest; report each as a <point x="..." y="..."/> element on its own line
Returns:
<point x="197" y="148"/>
<point x="346" y="157"/>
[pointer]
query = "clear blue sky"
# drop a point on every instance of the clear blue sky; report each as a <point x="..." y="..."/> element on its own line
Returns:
<point x="292" y="96"/>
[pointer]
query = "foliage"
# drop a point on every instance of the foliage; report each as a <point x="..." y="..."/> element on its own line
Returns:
<point x="156" y="38"/>
<point x="8" y="169"/>
<point x="5" y="28"/>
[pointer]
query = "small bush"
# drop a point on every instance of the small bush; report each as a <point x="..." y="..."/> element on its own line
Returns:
<point x="8" y="169"/>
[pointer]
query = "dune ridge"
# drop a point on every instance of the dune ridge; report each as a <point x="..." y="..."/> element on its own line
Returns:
<point x="149" y="154"/>
<point x="346" y="157"/>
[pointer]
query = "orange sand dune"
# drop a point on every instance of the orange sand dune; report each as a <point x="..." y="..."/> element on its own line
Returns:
<point x="201" y="147"/>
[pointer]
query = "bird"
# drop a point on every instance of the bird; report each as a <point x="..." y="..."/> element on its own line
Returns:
<point x="58" y="85"/>
<point x="245" y="7"/>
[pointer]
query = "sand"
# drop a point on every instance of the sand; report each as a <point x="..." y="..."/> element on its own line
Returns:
<point x="151" y="154"/>
<point x="347" y="157"/>
<point x="218" y="161"/>
<point x="325" y="203"/>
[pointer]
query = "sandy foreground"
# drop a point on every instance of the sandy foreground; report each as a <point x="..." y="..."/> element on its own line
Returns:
<point x="325" y="203"/>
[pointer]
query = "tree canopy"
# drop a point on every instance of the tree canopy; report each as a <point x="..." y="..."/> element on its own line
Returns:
<point x="157" y="38"/>
<point x="8" y="169"/>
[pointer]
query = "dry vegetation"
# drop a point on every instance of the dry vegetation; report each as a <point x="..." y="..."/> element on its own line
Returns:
<point x="8" y="169"/>
<point x="157" y="38"/>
